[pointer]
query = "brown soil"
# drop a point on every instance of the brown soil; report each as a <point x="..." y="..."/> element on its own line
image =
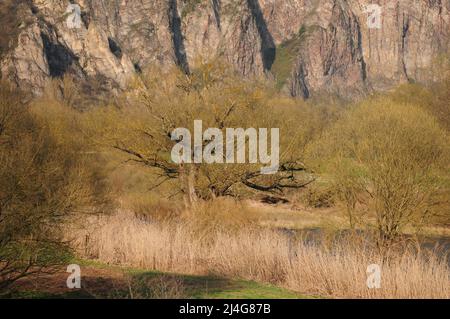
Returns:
<point x="96" y="283"/>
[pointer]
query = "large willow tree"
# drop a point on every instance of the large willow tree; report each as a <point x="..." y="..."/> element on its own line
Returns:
<point x="159" y="102"/>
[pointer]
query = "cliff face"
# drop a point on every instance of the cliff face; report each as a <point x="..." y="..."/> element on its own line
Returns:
<point x="308" y="46"/>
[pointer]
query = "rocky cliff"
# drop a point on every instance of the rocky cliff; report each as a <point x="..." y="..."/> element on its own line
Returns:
<point x="307" y="46"/>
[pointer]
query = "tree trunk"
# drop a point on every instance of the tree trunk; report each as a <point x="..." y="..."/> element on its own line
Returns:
<point x="188" y="181"/>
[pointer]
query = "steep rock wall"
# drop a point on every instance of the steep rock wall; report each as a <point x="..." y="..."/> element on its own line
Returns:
<point x="308" y="46"/>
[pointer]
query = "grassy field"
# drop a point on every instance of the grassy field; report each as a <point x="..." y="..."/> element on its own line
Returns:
<point x="105" y="281"/>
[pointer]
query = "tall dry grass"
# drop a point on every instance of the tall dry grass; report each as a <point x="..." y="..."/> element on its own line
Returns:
<point x="263" y="255"/>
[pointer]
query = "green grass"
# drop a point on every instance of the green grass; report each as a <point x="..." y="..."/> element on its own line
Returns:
<point x="285" y="57"/>
<point x="287" y="53"/>
<point x="194" y="287"/>
<point x="76" y="294"/>
<point x="213" y="287"/>
<point x="250" y="290"/>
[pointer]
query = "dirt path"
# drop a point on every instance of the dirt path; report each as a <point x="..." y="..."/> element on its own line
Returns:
<point x="103" y="281"/>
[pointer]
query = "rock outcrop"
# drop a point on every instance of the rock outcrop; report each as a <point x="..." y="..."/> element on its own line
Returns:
<point x="308" y="46"/>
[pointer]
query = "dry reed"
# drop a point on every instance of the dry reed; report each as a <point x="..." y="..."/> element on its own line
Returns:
<point x="264" y="255"/>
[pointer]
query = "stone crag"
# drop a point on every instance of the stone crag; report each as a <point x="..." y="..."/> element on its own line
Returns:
<point x="308" y="46"/>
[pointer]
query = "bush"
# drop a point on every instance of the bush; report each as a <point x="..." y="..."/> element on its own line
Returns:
<point x="150" y="208"/>
<point x="206" y="219"/>
<point x="318" y="196"/>
<point x="434" y="97"/>
<point x="43" y="182"/>
<point x="391" y="157"/>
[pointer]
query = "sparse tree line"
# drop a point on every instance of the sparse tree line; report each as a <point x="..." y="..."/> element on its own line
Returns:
<point x="385" y="158"/>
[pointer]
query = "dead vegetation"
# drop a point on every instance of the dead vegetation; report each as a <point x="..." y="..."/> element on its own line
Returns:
<point x="264" y="255"/>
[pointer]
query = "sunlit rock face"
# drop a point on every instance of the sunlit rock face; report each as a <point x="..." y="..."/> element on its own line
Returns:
<point x="307" y="46"/>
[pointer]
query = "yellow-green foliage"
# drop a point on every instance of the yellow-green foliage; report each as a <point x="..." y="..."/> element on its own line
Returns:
<point x="434" y="97"/>
<point x="207" y="218"/>
<point x="286" y="55"/>
<point x="391" y="156"/>
<point x="160" y="102"/>
<point x="44" y="180"/>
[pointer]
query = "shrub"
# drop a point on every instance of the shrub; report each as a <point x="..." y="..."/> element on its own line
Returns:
<point x="206" y="218"/>
<point x="318" y="196"/>
<point x="391" y="157"/>
<point x="43" y="181"/>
